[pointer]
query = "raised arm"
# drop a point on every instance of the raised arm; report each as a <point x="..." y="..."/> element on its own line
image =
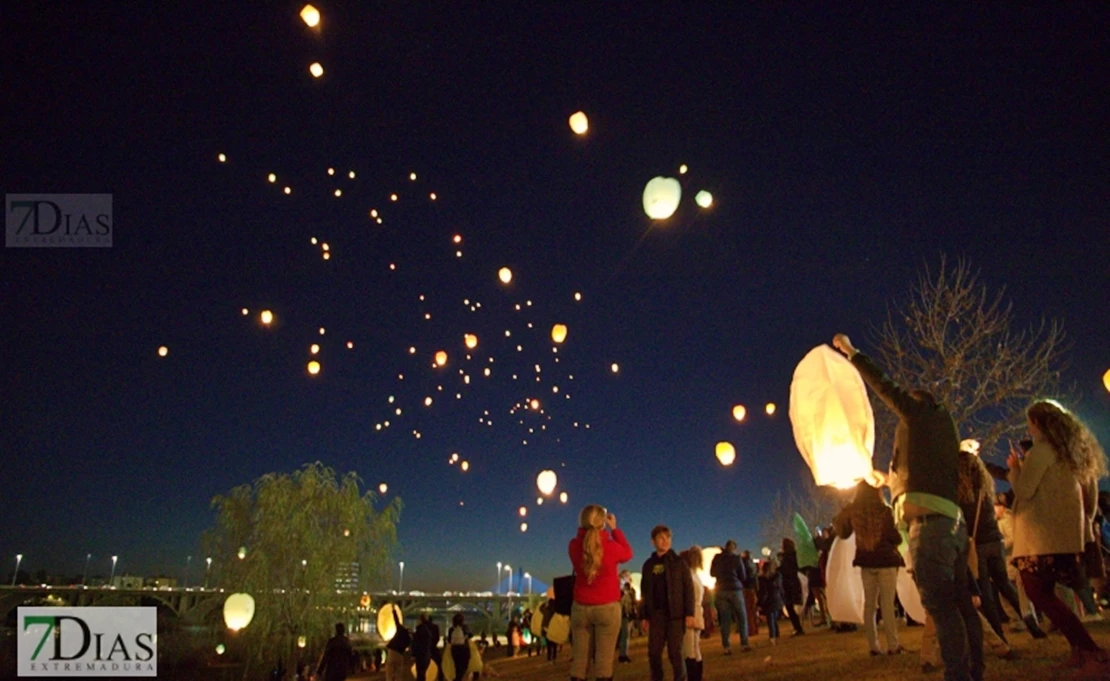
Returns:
<point x="892" y="394"/>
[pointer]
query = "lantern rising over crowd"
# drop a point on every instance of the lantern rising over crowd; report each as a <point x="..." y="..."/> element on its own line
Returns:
<point x="546" y="482"/>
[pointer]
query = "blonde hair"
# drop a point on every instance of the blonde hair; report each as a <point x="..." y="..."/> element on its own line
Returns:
<point x="591" y="519"/>
<point x="1074" y="443"/>
<point x="693" y="557"/>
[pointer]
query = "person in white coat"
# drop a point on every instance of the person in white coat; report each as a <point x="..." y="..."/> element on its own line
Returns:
<point x="691" y="642"/>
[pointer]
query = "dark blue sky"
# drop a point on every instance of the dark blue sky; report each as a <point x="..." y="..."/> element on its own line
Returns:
<point x="845" y="148"/>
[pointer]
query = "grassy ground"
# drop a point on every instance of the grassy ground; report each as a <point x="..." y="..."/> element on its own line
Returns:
<point x="821" y="654"/>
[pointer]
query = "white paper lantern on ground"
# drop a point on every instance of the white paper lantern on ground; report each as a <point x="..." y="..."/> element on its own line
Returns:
<point x="546" y="482"/>
<point x="238" y="611"/>
<point x="833" y="424"/>
<point x="661" y="197"/>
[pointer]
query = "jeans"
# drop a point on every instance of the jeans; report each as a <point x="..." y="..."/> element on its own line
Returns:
<point x="460" y="655"/>
<point x="594" y="630"/>
<point x="772" y="624"/>
<point x="879" y="587"/>
<point x="664" y="633"/>
<point x="938" y="548"/>
<point x="730" y="607"/>
<point x="622" y="638"/>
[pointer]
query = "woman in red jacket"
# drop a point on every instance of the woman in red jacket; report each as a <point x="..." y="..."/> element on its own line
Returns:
<point x="595" y="617"/>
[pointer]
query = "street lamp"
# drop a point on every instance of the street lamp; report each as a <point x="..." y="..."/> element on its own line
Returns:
<point x="112" y="575"/>
<point x="207" y="569"/>
<point x="498" y="582"/>
<point x="510" y="571"/>
<point x="19" y="559"/>
<point x="401" y="581"/>
<point x="85" y="574"/>
<point x="528" y="576"/>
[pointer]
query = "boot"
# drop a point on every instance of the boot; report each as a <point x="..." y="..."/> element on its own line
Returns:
<point x="701" y="669"/>
<point x="691" y="669"/>
<point x="1033" y="628"/>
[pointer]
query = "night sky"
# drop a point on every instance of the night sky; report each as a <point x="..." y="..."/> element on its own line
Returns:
<point x="845" y="148"/>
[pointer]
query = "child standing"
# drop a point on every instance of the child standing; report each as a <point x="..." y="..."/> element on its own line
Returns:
<point x="771" y="599"/>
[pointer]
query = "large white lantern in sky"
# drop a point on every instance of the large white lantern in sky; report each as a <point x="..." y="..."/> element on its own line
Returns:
<point x="546" y="482"/>
<point x="311" y="16"/>
<point x="661" y="197"/>
<point x="834" y="426"/>
<point x="238" y="611"/>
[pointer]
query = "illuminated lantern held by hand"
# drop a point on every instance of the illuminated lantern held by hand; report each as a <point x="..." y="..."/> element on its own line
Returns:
<point x="238" y="611"/>
<point x="832" y="420"/>
<point x="559" y="333"/>
<point x="703" y="199"/>
<point x="739" y="412"/>
<point x="546" y="482"/>
<point x="579" y="123"/>
<point x="311" y="16"/>
<point x="505" y="275"/>
<point x="441" y="358"/>
<point x="661" y="197"/>
<point x="387" y="628"/>
<point x="726" y="453"/>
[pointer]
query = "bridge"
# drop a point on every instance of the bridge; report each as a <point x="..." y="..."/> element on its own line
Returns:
<point x="196" y="606"/>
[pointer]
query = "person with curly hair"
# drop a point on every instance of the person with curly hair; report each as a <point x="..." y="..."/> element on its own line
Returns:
<point x="1055" y="490"/>
<point x="595" y="616"/>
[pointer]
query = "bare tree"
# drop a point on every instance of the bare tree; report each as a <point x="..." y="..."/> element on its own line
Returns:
<point x="957" y="339"/>
<point x="816" y="505"/>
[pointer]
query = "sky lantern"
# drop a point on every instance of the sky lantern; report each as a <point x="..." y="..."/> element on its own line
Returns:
<point x="272" y="178"/>
<point x="350" y="345"/>
<point x="470" y="341"/>
<point x="559" y="333"/>
<point x="313" y="367"/>
<point x="682" y="169"/>
<point x="220" y="649"/>
<point x="163" y="351"/>
<point x="311" y="16"/>
<point x="614" y="367"/>
<point x="288" y="190"/>
<point x="316" y="70"/>
<point x="245" y="311"/>
<point x="739" y="412"/>
<point x="383" y="488"/>
<point x="770" y="408"/>
<point x="703" y="199"/>
<point x="534" y="404"/>
<point x="833" y="424"/>
<point x="387" y="627"/>
<point x="546" y="482"/>
<point x="577" y="297"/>
<point x="331" y="171"/>
<point x="242" y="553"/>
<point x="266" y="317"/>
<point x="314" y="348"/>
<point x="302" y="641"/>
<point x="441" y="358"/>
<point x="523" y="511"/>
<point x="579" y="123"/>
<point x="563" y="497"/>
<point x="222" y="158"/>
<point x="238" y="611"/>
<point x="661" y="197"/>
<point x="427" y="401"/>
<point x="412" y="176"/>
<point x="505" y="275"/>
<point x="726" y="453"/>
<point x="1106" y="380"/>
<point x="524" y="527"/>
<point x="465" y="466"/>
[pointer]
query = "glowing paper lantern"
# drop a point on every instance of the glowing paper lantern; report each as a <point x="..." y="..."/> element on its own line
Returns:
<point x="242" y="552"/>
<point x="1106" y="380"/>
<point x="316" y="70"/>
<point x="470" y="341"/>
<point x="579" y="123"/>
<point x="314" y="348"/>
<point x="682" y="169"/>
<point x="311" y="16"/>
<point x="222" y="158"/>
<point x="238" y="611"/>
<point x="387" y="628"/>
<point x="432" y="673"/>
<point x="635" y="580"/>
<point x="563" y="497"/>
<point x="707" y="556"/>
<point x="559" y="333"/>
<point x="313" y="367"/>
<point x="266" y="317"/>
<point x="614" y="367"/>
<point x="834" y="427"/>
<point x="465" y="466"/>
<point x="770" y="408"/>
<point x="505" y="275"/>
<point x="703" y="199"/>
<point x="163" y="351"/>
<point x="441" y="358"/>
<point x="302" y="641"/>
<point x="524" y="527"/>
<point x="739" y="412"/>
<point x="661" y="197"/>
<point x="364" y="601"/>
<point x="726" y="453"/>
<point x="546" y="482"/>
<point x="383" y="488"/>
<point x="523" y="511"/>
<point x="272" y="178"/>
<point x="970" y="446"/>
<point x="766" y="551"/>
<point x="220" y="649"/>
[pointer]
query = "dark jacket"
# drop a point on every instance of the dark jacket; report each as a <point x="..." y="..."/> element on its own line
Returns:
<point x="564" y="594"/>
<point x="791" y="585"/>
<point x="751" y="574"/>
<point x="422" y="642"/>
<point x="729" y="571"/>
<point x="771" y="599"/>
<point x="926" y="444"/>
<point x="877" y="539"/>
<point x="680" y="586"/>
<point x="336" y="661"/>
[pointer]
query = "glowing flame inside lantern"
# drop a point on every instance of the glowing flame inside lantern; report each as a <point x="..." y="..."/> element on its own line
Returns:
<point x="579" y="123"/>
<point x="546" y="482"/>
<point x="726" y="453"/>
<point x="661" y="197"/>
<point x="311" y="16"/>
<point x="739" y="412"/>
<point x="505" y="275"/>
<point x="470" y="340"/>
<point x="559" y="333"/>
<point x="238" y="611"/>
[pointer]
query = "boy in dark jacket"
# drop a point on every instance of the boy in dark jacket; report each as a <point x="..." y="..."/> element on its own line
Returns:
<point x="667" y="592"/>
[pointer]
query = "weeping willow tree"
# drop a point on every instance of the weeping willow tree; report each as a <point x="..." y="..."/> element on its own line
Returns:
<point x="285" y="539"/>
